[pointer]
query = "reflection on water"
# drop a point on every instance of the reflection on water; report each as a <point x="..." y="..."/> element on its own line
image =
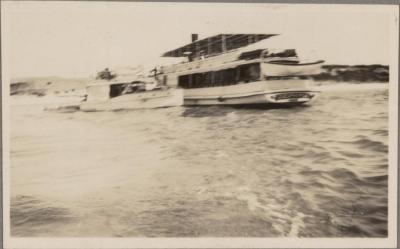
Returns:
<point x="315" y="171"/>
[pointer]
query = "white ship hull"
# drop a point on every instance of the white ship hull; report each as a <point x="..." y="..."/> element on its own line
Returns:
<point x="142" y="100"/>
<point x="273" y="92"/>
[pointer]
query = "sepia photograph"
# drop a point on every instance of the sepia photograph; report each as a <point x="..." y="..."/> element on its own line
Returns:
<point x="201" y="125"/>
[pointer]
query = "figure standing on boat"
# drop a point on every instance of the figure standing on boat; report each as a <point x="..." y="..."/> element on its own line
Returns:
<point x="106" y="75"/>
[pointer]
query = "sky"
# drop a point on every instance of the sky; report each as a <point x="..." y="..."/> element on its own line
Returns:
<point x="77" y="39"/>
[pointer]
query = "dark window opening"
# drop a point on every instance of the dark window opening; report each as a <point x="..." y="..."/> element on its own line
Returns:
<point x="285" y="53"/>
<point x="116" y="90"/>
<point x="249" y="72"/>
<point x="126" y="88"/>
<point x="293" y="77"/>
<point x="183" y="81"/>
<point x="251" y="55"/>
<point x="285" y="62"/>
<point x="231" y="76"/>
<point x="165" y="80"/>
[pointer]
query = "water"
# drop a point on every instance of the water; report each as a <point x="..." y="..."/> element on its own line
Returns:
<point x="315" y="171"/>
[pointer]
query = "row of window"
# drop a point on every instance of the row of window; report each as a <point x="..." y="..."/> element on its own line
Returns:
<point x="231" y="76"/>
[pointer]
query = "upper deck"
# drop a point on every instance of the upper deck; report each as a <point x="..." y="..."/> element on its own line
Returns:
<point x="215" y="45"/>
<point x="206" y="64"/>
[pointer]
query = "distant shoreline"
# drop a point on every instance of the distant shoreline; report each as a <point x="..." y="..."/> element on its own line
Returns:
<point x="354" y="73"/>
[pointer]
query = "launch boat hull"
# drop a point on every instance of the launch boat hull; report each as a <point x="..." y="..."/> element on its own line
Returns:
<point x="111" y="97"/>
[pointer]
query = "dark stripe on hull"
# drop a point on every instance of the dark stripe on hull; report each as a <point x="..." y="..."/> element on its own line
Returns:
<point x="250" y="100"/>
<point x="258" y="105"/>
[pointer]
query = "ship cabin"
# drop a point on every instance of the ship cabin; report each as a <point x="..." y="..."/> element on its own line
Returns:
<point x="219" y="61"/>
<point x="103" y="90"/>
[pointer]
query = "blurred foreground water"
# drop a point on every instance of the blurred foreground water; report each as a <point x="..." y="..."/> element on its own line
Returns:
<point x="313" y="171"/>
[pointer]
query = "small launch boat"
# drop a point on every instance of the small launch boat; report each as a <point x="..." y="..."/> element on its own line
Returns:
<point x="121" y="95"/>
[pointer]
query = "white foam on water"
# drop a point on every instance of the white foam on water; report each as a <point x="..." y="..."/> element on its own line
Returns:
<point x="297" y="224"/>
<point x="272" y="211"/>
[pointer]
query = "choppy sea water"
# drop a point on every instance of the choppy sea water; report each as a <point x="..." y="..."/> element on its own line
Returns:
<point x="314" y="171"/>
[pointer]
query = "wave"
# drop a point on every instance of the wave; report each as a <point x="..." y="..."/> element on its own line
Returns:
<point x="366" y="143"/>
<point x="320" y="171"/>
<point x="27" y="211"/>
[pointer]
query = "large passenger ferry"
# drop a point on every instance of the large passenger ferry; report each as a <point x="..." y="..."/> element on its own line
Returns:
<point x="221" y="70"/>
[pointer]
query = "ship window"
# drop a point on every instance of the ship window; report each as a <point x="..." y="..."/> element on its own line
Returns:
<point x="133" y="88"/>
<point x="217" y="78"/>
<point x="116" y="90"/>
<point x="230" y="76"/>
<point x="195" y="80"/>
<point x="199" y="79"/>
<point x="249" y="72"/>
<point x="183" y="81"/>
<point x="224" y="77"/>
<point x="165" y="80"/>
<point x="204" y="79"/>
<point x="125" y="88"/>
<point x="208" y="79"/>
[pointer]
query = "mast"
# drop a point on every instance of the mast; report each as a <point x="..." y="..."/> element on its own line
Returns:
<point x="223" y="43"/>
<point x="209" y="45"/>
